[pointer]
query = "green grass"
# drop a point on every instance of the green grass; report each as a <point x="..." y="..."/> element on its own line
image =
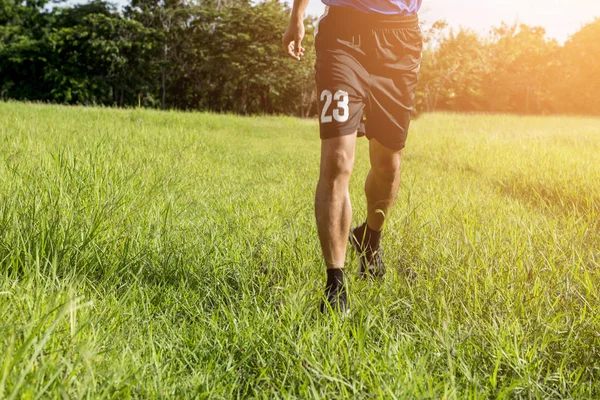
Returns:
<point x="174" y="255"/>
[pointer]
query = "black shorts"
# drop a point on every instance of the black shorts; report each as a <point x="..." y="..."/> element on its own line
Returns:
<point x="367" y="66"/>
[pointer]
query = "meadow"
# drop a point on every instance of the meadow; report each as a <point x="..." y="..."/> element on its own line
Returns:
<point x="148" y="254"/>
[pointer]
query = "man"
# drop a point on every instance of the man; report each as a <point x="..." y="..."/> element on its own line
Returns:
<point x="368" y="58"/>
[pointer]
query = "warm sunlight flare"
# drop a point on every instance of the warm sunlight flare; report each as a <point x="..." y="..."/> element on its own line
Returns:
<point x="560" y="18"/>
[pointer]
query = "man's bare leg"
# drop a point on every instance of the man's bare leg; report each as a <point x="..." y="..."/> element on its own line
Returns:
<point x="333" y="212"/>
<point x="383" y="181"/>
<point x="332" y="201"/>
<point x="381" y="188"/>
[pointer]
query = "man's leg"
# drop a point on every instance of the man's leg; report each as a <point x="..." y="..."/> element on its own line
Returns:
<point x="383" y="181"/>
<point x="333" y="211"/>
<point x="381" y="188"/>
<point x="332" y="201"/>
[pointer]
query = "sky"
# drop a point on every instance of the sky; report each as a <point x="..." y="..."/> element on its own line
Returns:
<point x="560" y="18"/>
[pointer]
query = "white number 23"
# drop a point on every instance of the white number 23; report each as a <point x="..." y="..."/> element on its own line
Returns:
<point x="341" y="113"/>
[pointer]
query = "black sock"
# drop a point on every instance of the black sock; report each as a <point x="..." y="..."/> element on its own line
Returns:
<point x="335" y="281"/>
<point x="368" y="238"/>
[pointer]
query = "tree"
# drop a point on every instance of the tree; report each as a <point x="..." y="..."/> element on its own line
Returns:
<point x="225" y="55"/>
<point x="453" y="72"/>
<point x="23" y="28"/>
<point x="579" y="79"/>
<point x="520" y="58"/>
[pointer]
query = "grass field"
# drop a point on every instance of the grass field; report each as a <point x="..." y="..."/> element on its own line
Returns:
<point x="174" y="255"/>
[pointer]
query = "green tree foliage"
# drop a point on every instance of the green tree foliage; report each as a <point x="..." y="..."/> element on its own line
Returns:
<point x="580" y="81"/>
<point x="521" y="60"/>
<point x="225" y="55"/>
<point x="24" y="27"/>
<point x="97" y="57"/>
<point x="516" y="69"/>
<point x="453" y="71"/>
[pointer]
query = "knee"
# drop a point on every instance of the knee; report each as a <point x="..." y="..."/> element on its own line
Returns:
<point x="387" y="168"/>
<point x="336" y="165"/>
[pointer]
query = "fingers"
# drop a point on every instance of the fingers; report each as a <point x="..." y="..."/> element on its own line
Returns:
<point x="294" y="50"/>
<point x="291" y="51"/>
<point x="293" y="47"/>
<point x="297" y="48"/>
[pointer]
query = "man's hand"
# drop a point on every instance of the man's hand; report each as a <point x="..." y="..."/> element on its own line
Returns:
<point x="292" y="39"/>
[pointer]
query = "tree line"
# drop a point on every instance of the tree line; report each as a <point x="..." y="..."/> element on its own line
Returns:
<point x="225" y="56"/>
<point x="515" y="69"/>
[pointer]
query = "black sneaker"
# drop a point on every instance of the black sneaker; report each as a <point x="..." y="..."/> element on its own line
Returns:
<point x="337" y="300"/>
<point x="370" y="262"/>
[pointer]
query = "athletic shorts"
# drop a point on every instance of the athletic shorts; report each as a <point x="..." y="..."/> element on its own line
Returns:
<point x="366" y="71"/>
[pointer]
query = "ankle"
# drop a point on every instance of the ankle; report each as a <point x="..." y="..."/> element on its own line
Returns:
<point x="335" y="280"/>
<point x="368" y="237"/>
